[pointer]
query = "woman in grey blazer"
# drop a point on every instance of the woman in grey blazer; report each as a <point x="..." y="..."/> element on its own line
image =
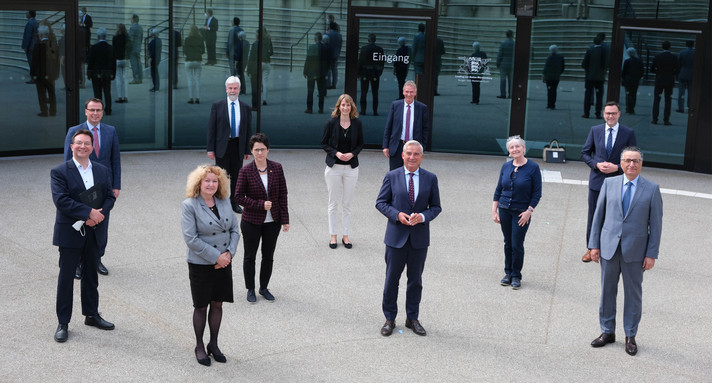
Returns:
<point x="210" y="232"/>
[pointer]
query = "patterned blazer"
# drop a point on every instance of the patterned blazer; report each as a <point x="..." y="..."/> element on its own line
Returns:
<point x="251" y="195"/>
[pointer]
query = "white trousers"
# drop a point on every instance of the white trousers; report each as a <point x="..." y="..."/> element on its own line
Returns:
<point x="341" y="184"/>
<point x="193" y="69"/>
<point x="122" y="78"/>
<point x="266" y="70"/>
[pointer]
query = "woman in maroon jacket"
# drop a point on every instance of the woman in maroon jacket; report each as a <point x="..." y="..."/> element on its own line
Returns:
<point x="262" y="192"/>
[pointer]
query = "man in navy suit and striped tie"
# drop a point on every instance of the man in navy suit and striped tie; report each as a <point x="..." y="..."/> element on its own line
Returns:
<point x="410" y="199"/>
<point x="407" y="120"/>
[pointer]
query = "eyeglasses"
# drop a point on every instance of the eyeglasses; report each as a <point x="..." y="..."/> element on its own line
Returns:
<point x="260" y="150"/>
<point x="83" y="143"/>
<point x="610" y="113"/>
<point x="632" y="160"/>
<point x="95" y="110"/>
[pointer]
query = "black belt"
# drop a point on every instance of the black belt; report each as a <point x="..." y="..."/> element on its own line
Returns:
<point x="235" y="139"/>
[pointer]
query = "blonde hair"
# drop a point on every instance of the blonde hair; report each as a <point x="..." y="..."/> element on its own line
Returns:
<point x="337" y="111"/>
<point x="196" y="177"/>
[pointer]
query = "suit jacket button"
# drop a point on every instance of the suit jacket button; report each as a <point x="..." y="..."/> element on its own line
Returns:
<point x="210" y="223"/>
<point x="213" y="233"/>
<point x="215" y="246"/>
<point x="224" y="231"/>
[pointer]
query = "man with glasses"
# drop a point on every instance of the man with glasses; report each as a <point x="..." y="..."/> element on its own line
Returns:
<point x="106" y="152"/>
<point x="625" y="238"/>
<point x="80" y="229"/>
<point x="602" y="152"/>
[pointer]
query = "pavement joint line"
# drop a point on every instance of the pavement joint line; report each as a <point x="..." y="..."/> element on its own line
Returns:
<point x="552" y="176"/>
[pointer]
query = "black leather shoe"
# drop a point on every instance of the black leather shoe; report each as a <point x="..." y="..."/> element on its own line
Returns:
<point x="102" y="269"/>
<point x="630" y="346"/>
<point x="603" y="340"/>
<point x="415" y="326"/>
<point x="251" y="297"/>
<point x="332" y="245"/>
<point x="506" y="281"/>
<point x="204" y="361"/>
<point x="388" y="328"/>
<point x="62" y="333"/>
<point x="98" y="322"/>
<point x="78" y="272"/>
<point x="347" y="245"/>
<point x="217" y="355"/>
<point x="516" y="283"/>
<point x="267" y="295"/>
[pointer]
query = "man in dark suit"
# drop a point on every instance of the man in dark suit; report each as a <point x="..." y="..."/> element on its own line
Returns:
<point x="665" y="68"/>
<point x="29" y="37"/>
<point x="553" y="68"/>
<point x="407" y="120"/>
<point x="154" y="59"/>
<point x="505" y="63"/>
<point x="370" y="68"/>
<point x="595" y="65"/>
<point x="686" y="60"/>
<point x="211" y="36"/>
<point x="234" y="47"/>
<point x="602" y="153"/>
<point x="400" y="65"/>
<point x="316" y="66"/>
<point x="101" y="69"/>
<point x="44" y="71"/>
<point x="229" y="132"/>
<point x="625" y="237"/>
<point x="410" y="199"/>
<point x="633" y="71"/>
<point x="419" y="52"/>
<point x="106" y="152"/>
<point x="78" y="230"/>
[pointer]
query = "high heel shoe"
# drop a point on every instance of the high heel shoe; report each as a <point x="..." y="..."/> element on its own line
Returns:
<point x="205" y="361"/>
<point x="218" y="356"/>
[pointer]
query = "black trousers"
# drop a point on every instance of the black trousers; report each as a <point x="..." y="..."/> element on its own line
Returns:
<point x="659" y="89"/>
<point x="232" y="163"/>
<point x="102" y="84"/>
<point x="588" y="97"/>
<point x="251" y="236"/>
<point x="69" y="258"/>
<point x="46" y="95"/>
<point x="551" y="93"/>
<point x="395" y="160"/>
<point x="321" y="89"/>
<point x="476" y="92"/>
<point x="631" y="95"/>
<point x="374" y="81"/>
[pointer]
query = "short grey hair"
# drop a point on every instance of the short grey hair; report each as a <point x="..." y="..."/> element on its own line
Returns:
<point x="413" y="142"/>
<point x="241" y="35"/>
<point x="476" y="46"/>
<point x="43" y="30"/>
<point x="631" y="52"/>
<point x="232" y="80"/>
<point x="401" y="40"/>
<point x="411" y="83"/>
<point x="101" y="33"/>
<point x="553" y="48"/>
<point x="632" y="149"/>
<point x="516" y="139"/>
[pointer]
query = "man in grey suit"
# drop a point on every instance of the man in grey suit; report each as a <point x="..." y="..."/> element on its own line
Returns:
<point x="106" y="152"/>
<point x="410" y="199"/>
<point x="625" y="238"/>
<point x="229" y="132"/>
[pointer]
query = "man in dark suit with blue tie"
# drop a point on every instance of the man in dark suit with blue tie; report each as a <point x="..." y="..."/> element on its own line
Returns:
<point x="229" y="132"/>
<point x="625" y="238"/>
<point x="410" y="199"/>
<point x="407" y="120"/>
<point x="602" y="153"/>
<point x="79" y="230"/>
<point x="106" y="152"/>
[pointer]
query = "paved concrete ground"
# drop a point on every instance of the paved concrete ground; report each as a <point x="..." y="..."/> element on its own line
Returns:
<point x="324" y="325"/>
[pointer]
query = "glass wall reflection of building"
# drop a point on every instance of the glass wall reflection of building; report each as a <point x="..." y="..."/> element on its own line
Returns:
<point x="480" y="84"/>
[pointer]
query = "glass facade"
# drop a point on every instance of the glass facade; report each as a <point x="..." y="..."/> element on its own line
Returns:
<point x="180" y="52"/>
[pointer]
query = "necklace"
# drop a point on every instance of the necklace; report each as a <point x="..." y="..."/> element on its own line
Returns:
<point x="262" y="170"/>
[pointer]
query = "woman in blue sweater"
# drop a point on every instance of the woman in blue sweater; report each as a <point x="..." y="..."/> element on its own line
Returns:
<point x="517" y="193"/>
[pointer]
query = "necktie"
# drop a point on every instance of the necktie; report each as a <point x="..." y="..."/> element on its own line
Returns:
<point x="233" y="130"/>
<point x="411" y="190"/>
<point x="626" y="197"/>
<point x="609" y="143"/>
<point x="407" y="125"/>
<point x="96" y="142"/>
